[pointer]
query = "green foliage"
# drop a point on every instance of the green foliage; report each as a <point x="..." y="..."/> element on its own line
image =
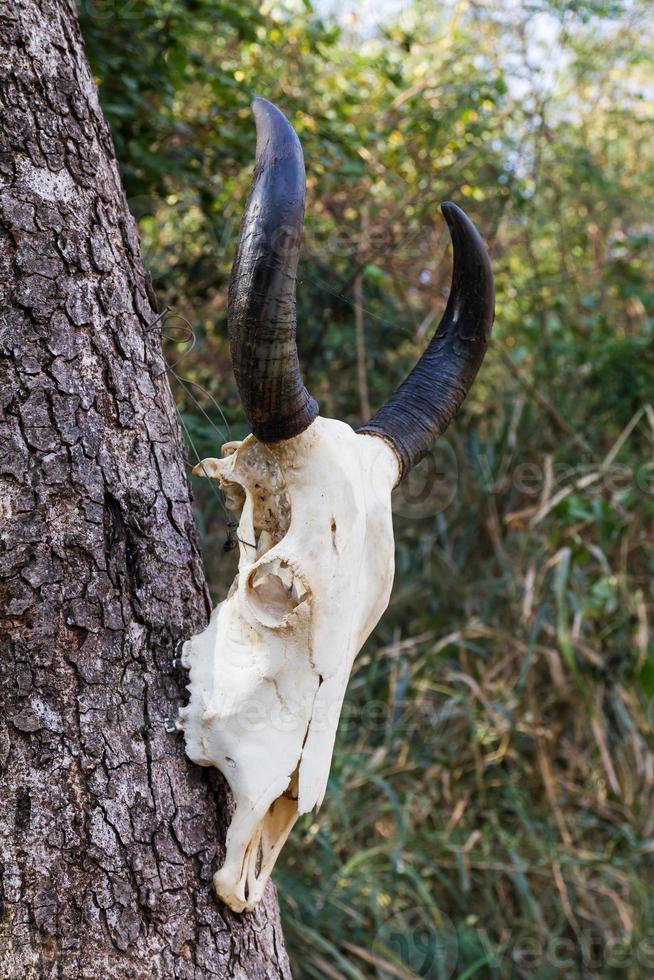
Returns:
<point x="491" y="793"/>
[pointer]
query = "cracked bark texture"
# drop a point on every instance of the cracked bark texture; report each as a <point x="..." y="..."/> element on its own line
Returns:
<point x="108" y="835"/>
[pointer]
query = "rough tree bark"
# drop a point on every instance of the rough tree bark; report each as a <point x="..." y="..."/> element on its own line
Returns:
<point x="108" y="836"/>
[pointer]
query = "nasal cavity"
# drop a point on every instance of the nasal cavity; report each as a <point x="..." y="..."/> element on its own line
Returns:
<point x="275" y="591"/>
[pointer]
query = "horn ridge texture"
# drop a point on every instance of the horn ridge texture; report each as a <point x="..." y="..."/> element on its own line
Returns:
<point x="428" y="399"/>
<point x="261" y="302"/>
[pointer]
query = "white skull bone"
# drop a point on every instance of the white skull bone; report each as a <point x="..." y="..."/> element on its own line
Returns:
<point x="268" y="675"/>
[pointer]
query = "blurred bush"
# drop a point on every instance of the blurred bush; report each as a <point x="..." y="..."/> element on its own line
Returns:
<point x="490" y="806"/>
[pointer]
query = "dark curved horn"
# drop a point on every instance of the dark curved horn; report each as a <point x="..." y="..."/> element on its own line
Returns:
<point x="429" y="398"/>
<point x="261" y="303"/>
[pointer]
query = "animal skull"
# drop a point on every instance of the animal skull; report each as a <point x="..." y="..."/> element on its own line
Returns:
<point x="269" y="673"/>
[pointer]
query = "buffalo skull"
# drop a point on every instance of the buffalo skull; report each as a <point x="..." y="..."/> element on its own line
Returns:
<point x="315" y="535"/>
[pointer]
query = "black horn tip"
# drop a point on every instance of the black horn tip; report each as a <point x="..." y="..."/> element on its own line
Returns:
<point x="462" y="230"/>
<point x="276" y="137"/>
<point x="465" y="238"/>
<point x="471" y="263"/>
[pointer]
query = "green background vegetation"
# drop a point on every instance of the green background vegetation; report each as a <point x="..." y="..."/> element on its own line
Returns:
<point x="493" y="781"/>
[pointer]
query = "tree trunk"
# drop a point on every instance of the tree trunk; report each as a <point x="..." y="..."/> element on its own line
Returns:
<point x="108" y="835"/>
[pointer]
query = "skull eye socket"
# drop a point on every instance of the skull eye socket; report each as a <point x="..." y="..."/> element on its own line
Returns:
<point x="275" y="592"/>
